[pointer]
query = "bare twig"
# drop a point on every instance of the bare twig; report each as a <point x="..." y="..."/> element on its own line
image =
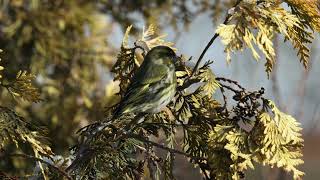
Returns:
<point x="187" y="84"/>
<point x="229" y="88"/>
<point x="169" y="124"/>
<point x="226" y="20"/>
<point x="231" y="82"/>
<point x="224" y="100"/>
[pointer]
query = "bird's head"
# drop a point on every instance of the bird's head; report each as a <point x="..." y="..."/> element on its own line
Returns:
<point x="162" y="55"/>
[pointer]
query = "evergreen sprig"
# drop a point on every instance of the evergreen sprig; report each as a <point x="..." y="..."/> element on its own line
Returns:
<point x="222" y="139"/>
<point x="229" y="142"/>
<point x="265" y="19"/>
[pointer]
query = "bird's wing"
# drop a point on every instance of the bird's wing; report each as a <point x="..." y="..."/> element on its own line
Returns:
<point x="137" y="91"/>
<point x="146" y="75"/>
<point x="149" y="73"/>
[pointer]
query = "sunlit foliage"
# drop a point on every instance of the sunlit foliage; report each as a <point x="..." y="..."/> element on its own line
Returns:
<point x="275" y="140"/>
<point x="56" y="58"/>
<point x="16" y="130"/>
<point x="263" y="20"/>
<point x="223" y="150"/>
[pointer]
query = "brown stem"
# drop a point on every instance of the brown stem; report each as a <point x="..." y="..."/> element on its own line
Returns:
<point x="226" y="20"/>
<point x="231" y="82"/>
<point x="187" y="84"/>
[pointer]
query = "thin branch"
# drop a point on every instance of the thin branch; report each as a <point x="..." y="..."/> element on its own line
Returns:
<point x="231" y="82"/>
<point x="187" y="84"/>
<point x="168" y="124"/>
<point x="224" y="100"/>
<point x="229" y="88"/>
<point x="60" y="171"/>
<point x="212" y="40"/>
<point x="164" y="147"/>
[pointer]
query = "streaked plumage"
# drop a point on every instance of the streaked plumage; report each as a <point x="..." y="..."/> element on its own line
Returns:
<point x="154" y="84"/>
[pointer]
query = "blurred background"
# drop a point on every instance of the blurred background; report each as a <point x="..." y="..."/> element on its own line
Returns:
<point x="71" y="45"/>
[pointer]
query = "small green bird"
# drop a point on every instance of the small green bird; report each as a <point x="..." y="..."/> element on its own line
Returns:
<point x="154" y="84"/>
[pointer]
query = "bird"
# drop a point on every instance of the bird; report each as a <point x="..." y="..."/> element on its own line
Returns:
<point x="151" y="88"/>
<point x="153" y="85"/>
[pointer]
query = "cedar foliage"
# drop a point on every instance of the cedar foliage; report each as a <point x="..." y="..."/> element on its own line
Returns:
<point x="224" y="149"/>
<point x="67" y="45"/>
<point x="263" y="20"/>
